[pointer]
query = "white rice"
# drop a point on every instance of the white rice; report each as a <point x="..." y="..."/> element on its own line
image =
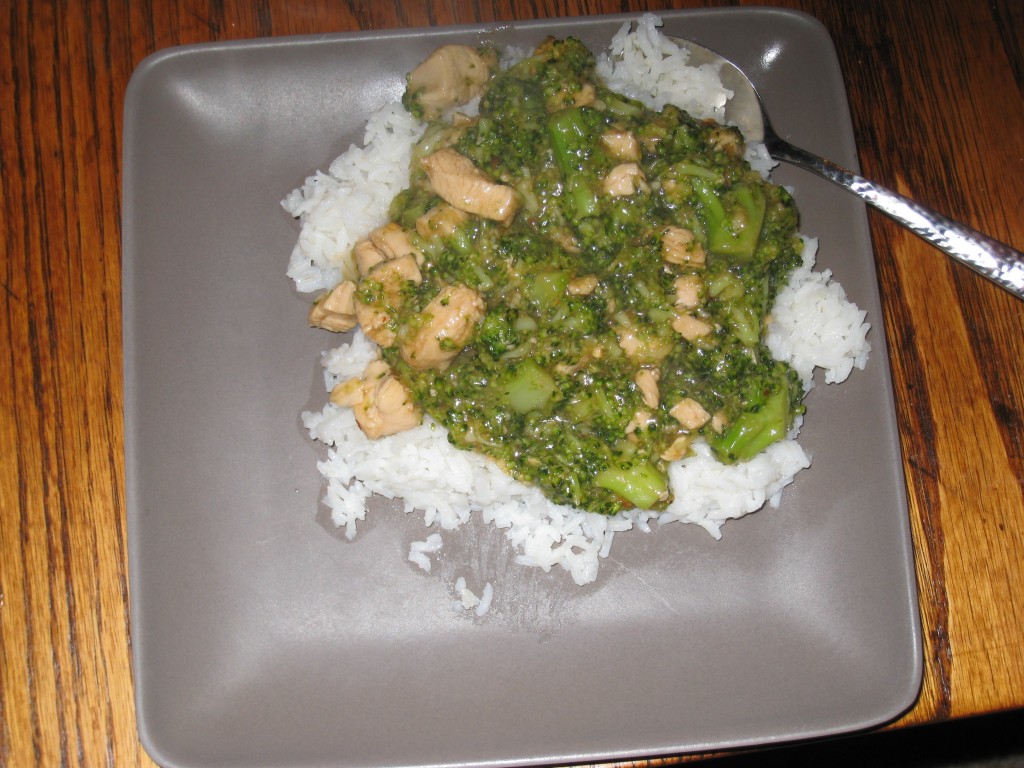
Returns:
<point x="813" y="326"/>
<point x="647" y="66"/>
<point x="469" y="601"/>
<point x="419" y="550"/>
<point x="340" y="207"/>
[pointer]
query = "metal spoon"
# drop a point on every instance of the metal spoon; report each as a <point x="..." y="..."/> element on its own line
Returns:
<point x="997" y="261"/>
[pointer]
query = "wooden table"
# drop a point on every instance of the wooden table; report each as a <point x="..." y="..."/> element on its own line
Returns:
<point x="936" y="96"/>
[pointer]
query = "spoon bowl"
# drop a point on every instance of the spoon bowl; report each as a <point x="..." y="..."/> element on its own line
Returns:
<point x="991" y="258"/>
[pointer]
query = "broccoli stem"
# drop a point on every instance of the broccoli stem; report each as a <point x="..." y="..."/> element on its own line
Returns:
<point x="756" y="428"/>
<point x="569" y="139"/>
<point x="571" y="144"/>
<point x="733" y="233"/>
<point x="528" y="388"/>
<point x="698" y="171"/>
<point x="642" y="485"/>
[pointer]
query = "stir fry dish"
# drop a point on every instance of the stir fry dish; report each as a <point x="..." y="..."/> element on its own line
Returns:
<point x="572" y="284"/>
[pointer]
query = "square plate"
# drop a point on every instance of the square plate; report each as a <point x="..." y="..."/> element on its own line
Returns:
<point x="261" y="637"/>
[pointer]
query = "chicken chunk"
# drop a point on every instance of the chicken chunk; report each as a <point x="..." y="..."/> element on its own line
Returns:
<point x="380" y="402"/>
<point x="440" y="221"/>
<point x="679" y="447"/>
<point x="625" y="179"/>
<point x="394" y="242"/>
<point x="375" y="317"/>
<point x="690" y="327"/>
<point x="689" y="413"/>
<point x="719" y="422"/>
<point x="584" y="285"/>
<point x="454" y="177"/>
<point x="450" y="76"/>
<point x="646" y="380"/>
<point x="450" y="318"/>
<point x="622" y="145"/>
<point x="393" y="274"/>
<point x="385" y="243"/>
<point x="367" y="256"/>
<point x="375" y="321"/>
<point x="336" y="310"/>
<point x="726" y="139"/>
<point x="641" y="347"/>
<point x="688" y="289"/>
<point x="641" y="420"/>
<point x="583" y="96"/>
<point x="679" y="246"/>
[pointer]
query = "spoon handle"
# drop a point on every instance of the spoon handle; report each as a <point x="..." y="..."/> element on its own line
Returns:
<point x="997" y="261"/>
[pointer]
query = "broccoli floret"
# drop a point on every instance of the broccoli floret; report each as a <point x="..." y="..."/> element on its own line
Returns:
<point x="498" y="334"/>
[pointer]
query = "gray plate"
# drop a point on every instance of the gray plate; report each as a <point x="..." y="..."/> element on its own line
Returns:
<point x="261" y="637"/>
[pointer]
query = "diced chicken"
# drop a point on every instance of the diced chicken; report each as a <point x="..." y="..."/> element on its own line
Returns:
<point x="690" y="327"/>
<point x="641" y="420"/>
<point x="687" y="291"/>
<point x="440" y="221"/>
<point x="385" y="243"/>
<point x="394" y="242"/>
<point x="454" y="177"/>
<point x="719" y="421"/>
<point x="380" y="402"/>
<point x="392" y="274"/>
<point x="584" y="285"/>
<point x="646" y="380"/>
<point x="376" y="323"/>
<point x="726" y="139"/>
<point x="625" y="179"/>
<point x="689" y="413"/>
<point x="367" y="256"/>
<point x="622" y="145"/>
<point x="450" y="76"/>
<point x="678" y="448"/>
<point x="451" y="318"/>
<point x="336" y="310"/>
<point x="581" y="97"/>
<point x="641" y="348"/>
<point x="585" y="96"/>
<point x="679" y="246"/>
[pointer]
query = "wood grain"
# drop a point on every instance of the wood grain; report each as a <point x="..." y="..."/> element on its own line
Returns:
<point x="937" y="97"/>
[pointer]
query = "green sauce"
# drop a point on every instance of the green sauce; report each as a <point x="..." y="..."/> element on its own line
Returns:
<point x="580" y="295"/>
